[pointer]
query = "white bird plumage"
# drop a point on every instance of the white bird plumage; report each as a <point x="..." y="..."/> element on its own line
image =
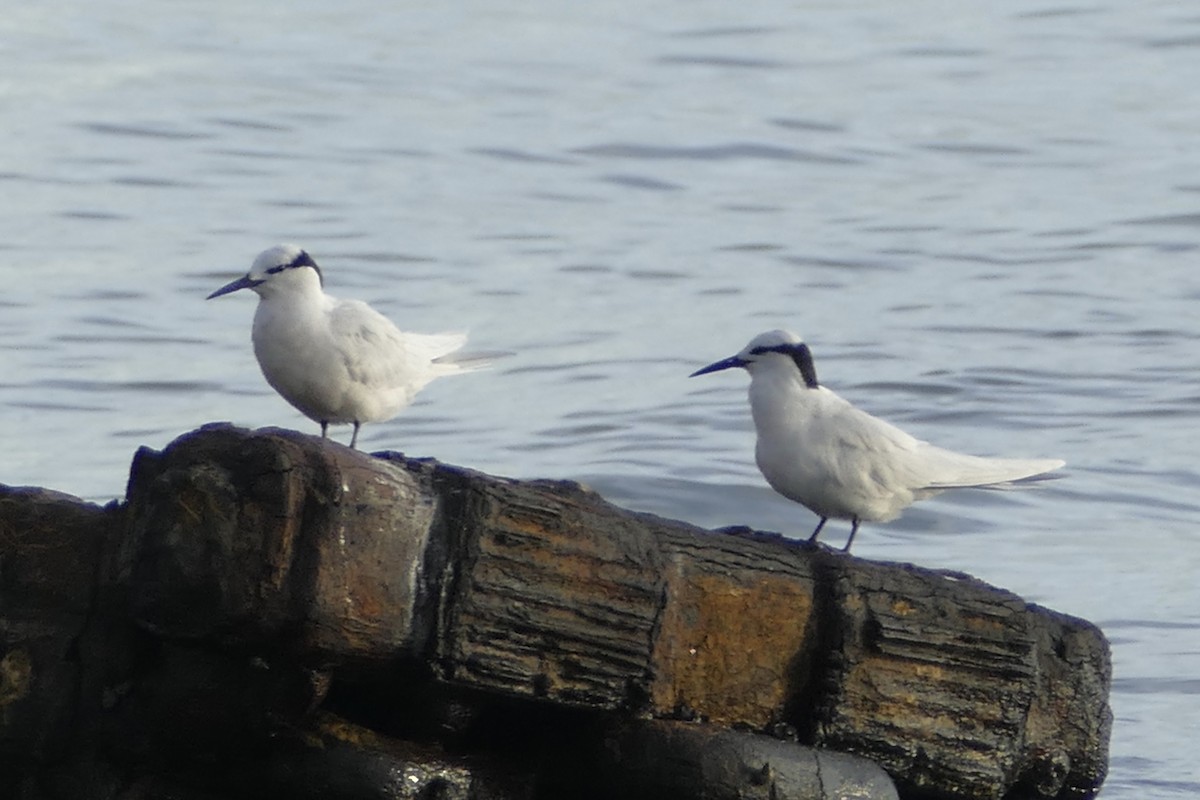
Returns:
<point x="338" y="361"/>
<point x="840" y="462"/>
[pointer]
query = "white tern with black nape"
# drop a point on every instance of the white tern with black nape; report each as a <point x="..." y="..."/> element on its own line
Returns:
<point x="839" y="461"/>
<point x="338" y="361"/>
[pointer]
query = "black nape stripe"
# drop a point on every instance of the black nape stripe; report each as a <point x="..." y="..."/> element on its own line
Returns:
<point x="800" y="354"/>
<point x="803" y="358"/>
<point x="302" y="260"/>
<point x="305" y="260"/>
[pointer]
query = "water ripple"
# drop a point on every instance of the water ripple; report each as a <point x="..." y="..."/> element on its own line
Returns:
<point x="721" y="152"/>
<point x="642" y="182"/>
<point x="140" y="131"/>
<point x="520" y="156"/>
<point x="734" y="62"/>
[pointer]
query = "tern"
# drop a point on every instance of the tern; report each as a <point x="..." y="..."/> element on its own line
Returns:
<point x="838" y="461"/>
<point x="338" y="361"/>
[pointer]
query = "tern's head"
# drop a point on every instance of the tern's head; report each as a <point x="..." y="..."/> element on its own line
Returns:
<point x="773" y="350"/>
<point x="284" y="267"/>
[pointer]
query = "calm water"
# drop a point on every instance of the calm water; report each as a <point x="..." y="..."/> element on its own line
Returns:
<point x="985" y="221"/>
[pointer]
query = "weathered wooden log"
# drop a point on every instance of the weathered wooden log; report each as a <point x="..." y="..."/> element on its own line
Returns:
<point x="542" y="590"/>
<point x="273" y="576"/>
<point x="50" y="552"/>
<point x="294" y="545"/>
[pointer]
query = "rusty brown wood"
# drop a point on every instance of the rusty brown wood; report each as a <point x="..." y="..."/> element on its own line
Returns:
<point x="294" y="550"/>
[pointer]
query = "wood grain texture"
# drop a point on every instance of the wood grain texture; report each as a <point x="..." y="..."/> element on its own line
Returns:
<point x="267" y="566"/>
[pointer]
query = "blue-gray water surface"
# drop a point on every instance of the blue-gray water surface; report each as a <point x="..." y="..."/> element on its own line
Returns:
<point x="983" y="218"/>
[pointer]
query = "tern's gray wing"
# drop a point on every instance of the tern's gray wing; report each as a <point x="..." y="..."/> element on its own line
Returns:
<point x="948" y="469"/>
<point x="878" y="450"/>
<point x="902" y="460"/>
<point x="377" y="354"/>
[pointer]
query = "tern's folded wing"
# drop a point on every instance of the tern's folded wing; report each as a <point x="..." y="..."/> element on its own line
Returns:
<point x="376" y="353"/>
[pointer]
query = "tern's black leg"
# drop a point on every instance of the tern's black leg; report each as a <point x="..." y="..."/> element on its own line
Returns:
<point x="354" y="438"/>
<point x="820" y="525"/>
<point x="324" y="427"/>
<point x="853" y="530"/>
